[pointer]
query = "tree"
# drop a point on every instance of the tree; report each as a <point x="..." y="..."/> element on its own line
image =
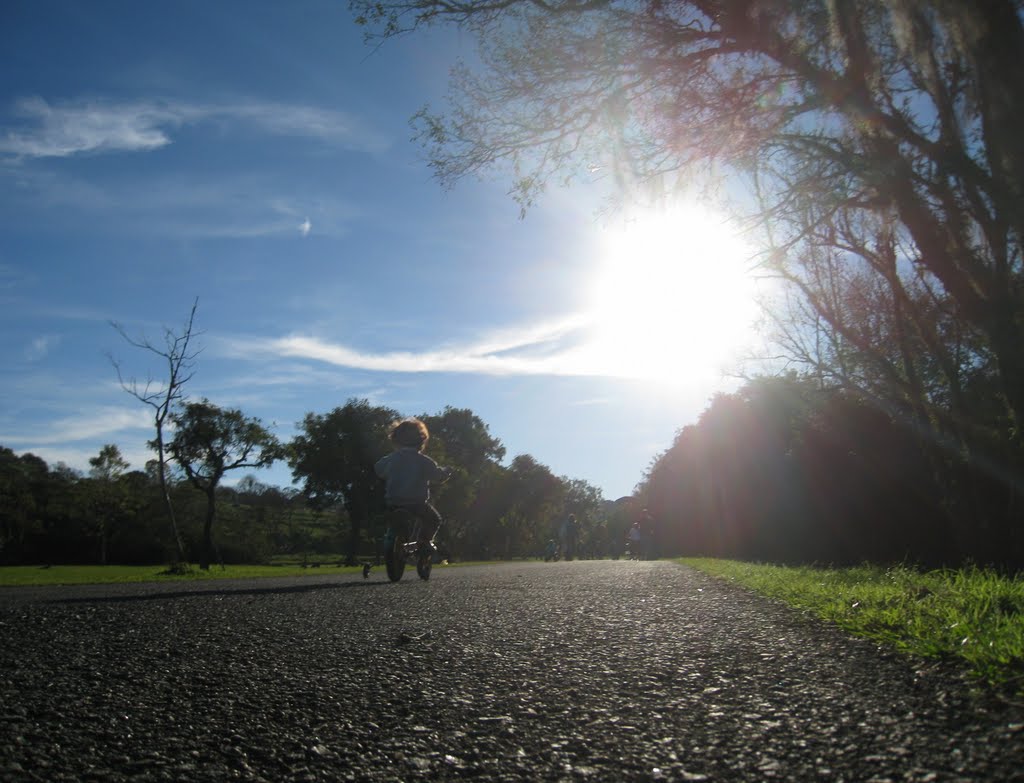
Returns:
<point x="460" y="440"/>
<point x="534" y="498"/>
<point x="208" y="442"/>
<point x="880" y="139"/>
<point x="23" y="482"/>
<point x="109" y="501"/>
<point x="180" y="359"/>
<point x="585" y="501"/>
<point x="334" y="456"/>
<point x="786" y="471"/>
<point x="467" y="441"/>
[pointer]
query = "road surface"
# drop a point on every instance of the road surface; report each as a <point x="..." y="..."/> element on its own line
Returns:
<point x="580" y="671"/>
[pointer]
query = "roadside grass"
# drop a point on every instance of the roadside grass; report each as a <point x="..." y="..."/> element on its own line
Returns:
<point x="83" y="575"/>
<point x="974" y="615"/>
<point x="39" y="576"/>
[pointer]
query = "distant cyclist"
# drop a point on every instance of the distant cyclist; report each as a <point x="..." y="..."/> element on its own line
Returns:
<point x="407" y="473"/>
<point x="569" y="533"/>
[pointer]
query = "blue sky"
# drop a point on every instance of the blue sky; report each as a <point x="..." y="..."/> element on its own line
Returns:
<point x="257" y="155"/>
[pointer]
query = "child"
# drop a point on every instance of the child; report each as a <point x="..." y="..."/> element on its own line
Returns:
<point x="407" y="473"/>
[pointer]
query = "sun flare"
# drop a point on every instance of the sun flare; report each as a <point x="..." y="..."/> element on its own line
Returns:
<point x="674" y="296"/>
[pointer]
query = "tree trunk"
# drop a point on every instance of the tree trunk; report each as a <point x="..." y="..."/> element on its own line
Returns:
<point x="162" y="470"/>
<point x="995" y="36"/>
<point x="206" y="554"/>
<point x="355" y="519"/>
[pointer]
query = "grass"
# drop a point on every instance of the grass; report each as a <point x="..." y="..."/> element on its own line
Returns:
<point x="84" y="575"/>
<point x="39" y="576"/>
<point x="973" y="615"/>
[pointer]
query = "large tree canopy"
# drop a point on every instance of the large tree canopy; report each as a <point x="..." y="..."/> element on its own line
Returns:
<point x="210" y="441"/>
<point x="880" y="140"/>
<point x="333" y="457"/>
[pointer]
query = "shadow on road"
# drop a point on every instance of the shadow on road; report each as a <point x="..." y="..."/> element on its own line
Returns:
<point x="172" y="595"/>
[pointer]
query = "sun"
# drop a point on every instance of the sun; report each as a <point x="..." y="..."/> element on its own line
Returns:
<point x="673" y="297"/>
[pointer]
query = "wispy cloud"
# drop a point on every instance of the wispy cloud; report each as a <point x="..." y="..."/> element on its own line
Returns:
<point x="553" y="348"/>
<point x="43" y="130"/>
<point x="96" y="423"/>
<point x="39" y="347"/>
<point x="59" y="131"/>
<point x="184" y="205"/>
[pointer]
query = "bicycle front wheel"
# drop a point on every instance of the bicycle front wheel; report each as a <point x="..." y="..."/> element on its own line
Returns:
<point x="424" y="562"/>
<point x="394" y="559"/>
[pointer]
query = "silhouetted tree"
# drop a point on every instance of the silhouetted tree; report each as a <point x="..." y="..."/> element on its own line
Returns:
<point x="333" y="456"/>
<point x="109" y="499"/>
<point x="880" y="140"/>
<point x="787" y="471"/>
<point x="208" y="442"/>
<point x="23" y="499"/>
<point x="460" y="440"/>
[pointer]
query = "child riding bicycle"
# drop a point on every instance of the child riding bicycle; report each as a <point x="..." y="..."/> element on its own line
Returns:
<point x="407" y="473"/>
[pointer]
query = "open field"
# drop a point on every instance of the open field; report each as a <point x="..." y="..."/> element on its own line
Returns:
<point x="973" y="615"/>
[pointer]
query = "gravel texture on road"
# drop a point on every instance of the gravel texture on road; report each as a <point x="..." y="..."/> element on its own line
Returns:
<point x="594" y="670"/>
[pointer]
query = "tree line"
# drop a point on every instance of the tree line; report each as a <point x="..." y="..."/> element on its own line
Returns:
<point x="785" y="470"/>
<point x="782" y="470"/>
<point x="117" y="515"/>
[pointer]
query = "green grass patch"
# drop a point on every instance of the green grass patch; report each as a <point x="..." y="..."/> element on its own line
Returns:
<point x="83" y="575"/>
<point x="973" y="614"/>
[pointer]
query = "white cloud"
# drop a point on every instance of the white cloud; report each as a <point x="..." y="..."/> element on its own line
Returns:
<point x="305" y="227"/>
<point x="554" y="348"/>
<point x="97" y="423"/>
<point x="40" y="347"/>
<point x="60" y="130"/>
<point x="71" y="129"/>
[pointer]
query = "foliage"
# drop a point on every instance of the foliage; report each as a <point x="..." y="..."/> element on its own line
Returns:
<point x="971" y="614"/>
<point x="879" y="145"/>
<point x="784" y="469"/>
<point x="209" y="442"/>
<point x="460" y="440"/>
<point x="334" y="456"/>
<point x="787" y="471"/>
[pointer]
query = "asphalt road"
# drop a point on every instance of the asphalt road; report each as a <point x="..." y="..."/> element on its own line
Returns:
<point x="599" y="670"/>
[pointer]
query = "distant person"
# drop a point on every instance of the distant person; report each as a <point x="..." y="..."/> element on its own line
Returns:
<point x="599" y="541"/>
<point x="407" y="473"/>
<point x="569" y="534"/>
<point x="649" y="529"/>
<point x="634" y="540"/>
<point x="551" y="551"/>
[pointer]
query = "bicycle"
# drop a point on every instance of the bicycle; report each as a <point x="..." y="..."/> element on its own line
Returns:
<point x="402" y="545"/>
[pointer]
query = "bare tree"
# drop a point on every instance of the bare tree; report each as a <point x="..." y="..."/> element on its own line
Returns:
<point x="180" y="358"/>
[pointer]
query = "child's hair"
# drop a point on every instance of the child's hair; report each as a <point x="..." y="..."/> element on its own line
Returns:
<point x="409" y="432"/>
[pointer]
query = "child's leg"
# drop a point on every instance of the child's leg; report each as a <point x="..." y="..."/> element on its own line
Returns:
<point x="430" y="521"/>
